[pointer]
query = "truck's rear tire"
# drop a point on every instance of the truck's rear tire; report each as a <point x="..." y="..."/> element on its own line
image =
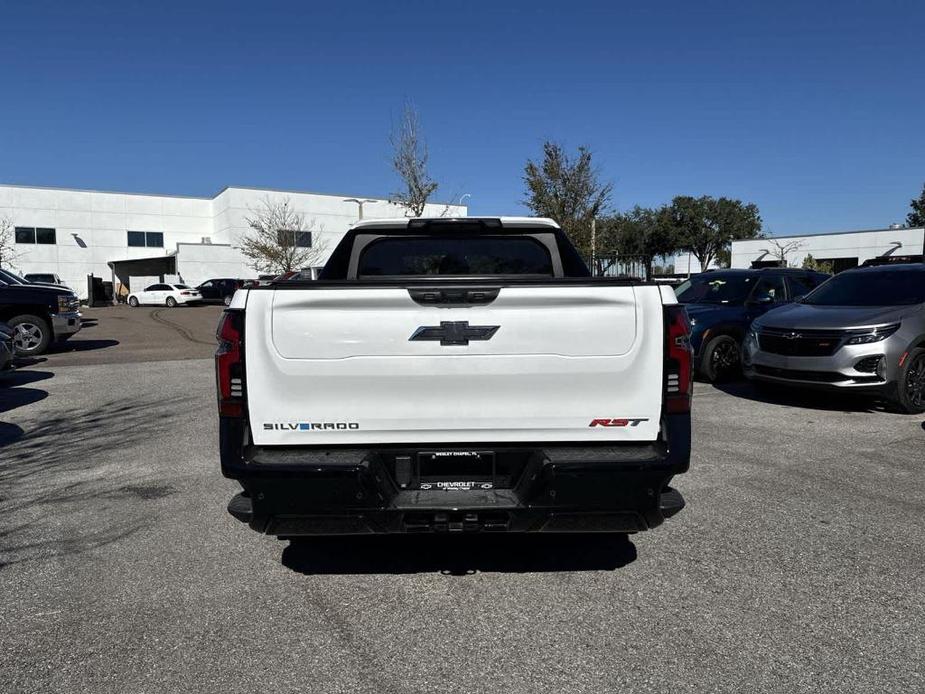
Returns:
<point x="31" y="335"/>
<point x="721" y="360"/>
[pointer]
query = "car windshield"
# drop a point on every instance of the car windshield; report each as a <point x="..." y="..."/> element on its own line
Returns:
<point x="41" y="278"/>
<point x="710" y="288"/>
<point x="8" y="276"/>
<point x="866" y="288"/>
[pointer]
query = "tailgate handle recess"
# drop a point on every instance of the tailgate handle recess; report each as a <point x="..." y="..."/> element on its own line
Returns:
<point x="454" y="297"/>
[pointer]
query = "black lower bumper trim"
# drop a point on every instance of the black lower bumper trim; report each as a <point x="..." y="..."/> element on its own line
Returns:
<point x="670" y="502"/>
<point x="565" y="488"/>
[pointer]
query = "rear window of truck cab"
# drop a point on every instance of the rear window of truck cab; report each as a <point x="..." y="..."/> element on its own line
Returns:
<point x="432" y="255"/>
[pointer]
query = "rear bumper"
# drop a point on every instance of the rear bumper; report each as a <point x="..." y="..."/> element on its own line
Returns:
<point x="308" y="491"/>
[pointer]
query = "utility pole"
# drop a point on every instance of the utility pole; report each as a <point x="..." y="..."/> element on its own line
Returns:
<point x="359" y="203"/>
<point x="593" y="246"/>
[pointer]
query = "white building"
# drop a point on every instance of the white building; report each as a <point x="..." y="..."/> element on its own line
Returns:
<point x="843" y="249"/>
<point x="75" y="233"/>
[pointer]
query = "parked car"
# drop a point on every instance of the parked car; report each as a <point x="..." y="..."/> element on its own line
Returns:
<point x="219" y="291"/>
<point x="721" y="305"/>
<point x="38" y="314"/>
<point x="43" y="278"/>
<point x="6" y="349"/>
<point x="460" y="375"/>
<point x="165" y="295"/>
<point x="862" y="331"/>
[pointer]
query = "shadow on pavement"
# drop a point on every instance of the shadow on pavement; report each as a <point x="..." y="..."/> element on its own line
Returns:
<point x="795" y="397"/>
<point x="459" y="555"/>
<point x="13" y="394"/>
<point x="62" y="491"/>
<point x="81" y="346"/>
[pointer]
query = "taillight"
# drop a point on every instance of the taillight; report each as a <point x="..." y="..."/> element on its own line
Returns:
<point x="678" y="360"/>
<point x="229" y="364"/>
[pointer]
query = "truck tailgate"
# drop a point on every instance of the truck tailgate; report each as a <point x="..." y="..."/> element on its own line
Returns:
<point x="557" y="363"/>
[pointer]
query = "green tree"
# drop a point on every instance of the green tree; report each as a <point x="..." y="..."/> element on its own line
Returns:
<point x="569" y="190"/>
<point x="916" y="218"/>
<point x="810" y="263"/>
<point x="706" y="226"/>
<point x="642" y="233"/>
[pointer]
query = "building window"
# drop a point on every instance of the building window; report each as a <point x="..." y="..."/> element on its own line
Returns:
<point x="289" y="237"/>
<point x="839" y="264"/>
<point x="42" y="235"/>
<point x="145" y="239"/>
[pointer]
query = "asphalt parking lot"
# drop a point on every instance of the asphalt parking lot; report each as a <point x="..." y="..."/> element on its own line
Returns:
<point x="797" y="566"/>
<point x="143" y="334"/>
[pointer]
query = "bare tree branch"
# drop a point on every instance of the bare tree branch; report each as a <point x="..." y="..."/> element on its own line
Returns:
<point x="280" y="239"/>
<point x="409" y="159"/>
<point x="781" y="249"/>
<point x="9" y="252"/>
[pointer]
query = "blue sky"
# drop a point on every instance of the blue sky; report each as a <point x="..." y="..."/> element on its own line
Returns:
<point x="814" y="111"/>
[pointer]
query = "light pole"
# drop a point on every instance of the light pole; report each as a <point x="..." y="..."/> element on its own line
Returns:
<point x="359" y="203"/>
<point x="593" y="245"/>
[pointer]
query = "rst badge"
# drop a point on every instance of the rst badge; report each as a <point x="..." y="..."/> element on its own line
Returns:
<point x="622" y="422"/>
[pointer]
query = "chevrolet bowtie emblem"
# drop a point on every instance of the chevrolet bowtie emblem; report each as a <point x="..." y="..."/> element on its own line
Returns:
<point x="454" y="332"/>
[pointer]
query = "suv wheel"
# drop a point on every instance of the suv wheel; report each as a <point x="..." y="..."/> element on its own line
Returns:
<point x="31" y="335"/>
<point x="910" y="388"/>
<point x="721" y="359"/>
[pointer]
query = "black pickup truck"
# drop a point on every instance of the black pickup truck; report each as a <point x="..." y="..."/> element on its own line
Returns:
<point x="38" y="314"/>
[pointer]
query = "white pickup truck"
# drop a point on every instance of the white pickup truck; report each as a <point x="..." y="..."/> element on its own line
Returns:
<point x="454" y="375"/>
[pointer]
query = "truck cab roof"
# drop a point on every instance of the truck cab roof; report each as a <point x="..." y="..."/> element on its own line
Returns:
<point x="488" y="223"/>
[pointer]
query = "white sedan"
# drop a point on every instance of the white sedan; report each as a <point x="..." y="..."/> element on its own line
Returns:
<point x="165" y="295"/>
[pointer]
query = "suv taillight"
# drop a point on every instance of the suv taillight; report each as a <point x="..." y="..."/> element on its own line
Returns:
<point x="678" y="360"/>
<point x="229" y="364"/>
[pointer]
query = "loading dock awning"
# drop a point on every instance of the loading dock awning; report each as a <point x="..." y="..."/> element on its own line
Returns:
<point x="158" y="266"/>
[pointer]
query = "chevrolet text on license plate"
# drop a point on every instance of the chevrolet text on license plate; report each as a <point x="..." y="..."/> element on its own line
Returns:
<point x="456" y="470"/>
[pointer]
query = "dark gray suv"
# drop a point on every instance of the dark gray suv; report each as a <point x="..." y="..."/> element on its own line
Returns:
<point x="863" y="330"/>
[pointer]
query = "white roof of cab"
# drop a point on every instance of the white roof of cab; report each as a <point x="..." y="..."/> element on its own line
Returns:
<point x="508" y="222"/>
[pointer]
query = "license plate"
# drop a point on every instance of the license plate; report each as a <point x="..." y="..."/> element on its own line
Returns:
<point x="456" y="470"/>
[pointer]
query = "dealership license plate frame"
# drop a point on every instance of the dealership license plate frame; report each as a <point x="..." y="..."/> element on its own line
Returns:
<point x="456" y="470"/>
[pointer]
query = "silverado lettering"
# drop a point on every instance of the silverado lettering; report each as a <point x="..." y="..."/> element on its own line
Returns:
<point x="309" y="426"/>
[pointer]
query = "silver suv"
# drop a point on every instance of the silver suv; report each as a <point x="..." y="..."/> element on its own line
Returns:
<point x="863" y="330"/>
